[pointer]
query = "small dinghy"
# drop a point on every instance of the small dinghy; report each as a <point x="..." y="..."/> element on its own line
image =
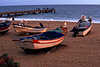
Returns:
<point x="22" y="28"/>
<point x="45" y="40"/>
<point x="4" y="26"/>
<point x="83" y="28"/>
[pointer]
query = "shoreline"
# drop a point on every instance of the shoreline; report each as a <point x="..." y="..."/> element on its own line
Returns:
<point x="21" y="19"/>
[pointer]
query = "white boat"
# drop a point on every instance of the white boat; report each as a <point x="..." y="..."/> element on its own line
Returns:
<point x="21" y="28"/>
<point x="83" y="29"/>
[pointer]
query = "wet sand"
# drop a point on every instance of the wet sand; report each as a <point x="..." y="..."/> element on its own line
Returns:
<point x="77" y="52"/>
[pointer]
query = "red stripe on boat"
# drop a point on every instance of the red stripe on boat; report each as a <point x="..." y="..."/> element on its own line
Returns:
<point x="3" y="28"/>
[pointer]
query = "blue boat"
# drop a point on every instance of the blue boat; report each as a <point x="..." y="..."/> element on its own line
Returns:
<point x="45" y="40"/>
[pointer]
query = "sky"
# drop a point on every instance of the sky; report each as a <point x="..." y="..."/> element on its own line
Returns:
<point x="43" y="2"/>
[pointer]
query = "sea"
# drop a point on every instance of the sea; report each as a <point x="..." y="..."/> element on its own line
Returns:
<point x="63" y="12"/>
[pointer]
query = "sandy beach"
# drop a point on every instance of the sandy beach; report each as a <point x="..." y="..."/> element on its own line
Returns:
<point x="77" y="52"/>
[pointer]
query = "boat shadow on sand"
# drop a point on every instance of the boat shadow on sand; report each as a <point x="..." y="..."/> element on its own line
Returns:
<point x="45" y="50"/>
<point x="79" y="35"/>
<point x="3" y="33"/>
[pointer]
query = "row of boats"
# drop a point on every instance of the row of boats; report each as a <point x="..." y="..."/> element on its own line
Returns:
<point x="46" y="38"/>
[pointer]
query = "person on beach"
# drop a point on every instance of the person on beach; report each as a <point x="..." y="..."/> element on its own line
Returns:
<point x="90" y="19"/>
<point x="13" y="18"/>
<point x="83" y="19"/>
<point x="65" y="24"/>
<point x="41" y="25"/>
<point x="80" y="22"/>
<point x="64" y="29"/>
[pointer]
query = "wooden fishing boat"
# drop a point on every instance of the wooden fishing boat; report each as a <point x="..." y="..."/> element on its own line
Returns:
<point x="22" y="28"/>
<point x="83" y="29"/>
<point x="4" y="26"/>
<point x="42" y="41"/>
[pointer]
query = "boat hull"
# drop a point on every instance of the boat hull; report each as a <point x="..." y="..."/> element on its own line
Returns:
<point x="85" y="32"/>
<point x="4" y="31"/>
<point x="30" y="30"/>
<point x="4" y="27"/>
<point x="42" y="44"/>
<point x="47" y="43"/>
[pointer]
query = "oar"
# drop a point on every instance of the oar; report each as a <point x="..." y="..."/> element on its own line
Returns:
<point x="16" y="39"/>
<point x="20" y="40"/>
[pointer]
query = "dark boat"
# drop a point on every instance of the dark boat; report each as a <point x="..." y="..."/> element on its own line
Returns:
<point x="4" y="26"/>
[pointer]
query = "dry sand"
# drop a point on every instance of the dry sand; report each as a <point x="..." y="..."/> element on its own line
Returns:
<point x="77" y="52"/>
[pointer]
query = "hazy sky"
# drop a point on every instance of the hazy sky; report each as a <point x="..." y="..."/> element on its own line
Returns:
<point x="39" y="2"/>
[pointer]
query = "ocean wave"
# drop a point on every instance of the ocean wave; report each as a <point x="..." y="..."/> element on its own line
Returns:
<point x="34" y="19"/>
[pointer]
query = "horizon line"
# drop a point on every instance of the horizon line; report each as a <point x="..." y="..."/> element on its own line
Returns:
<point x="48" y="4"/>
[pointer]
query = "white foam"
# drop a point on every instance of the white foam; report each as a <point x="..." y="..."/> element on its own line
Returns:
<point x="27" y="19"/>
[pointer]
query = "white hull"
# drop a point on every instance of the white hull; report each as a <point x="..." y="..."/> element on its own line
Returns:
<point x="29" y="30"/>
